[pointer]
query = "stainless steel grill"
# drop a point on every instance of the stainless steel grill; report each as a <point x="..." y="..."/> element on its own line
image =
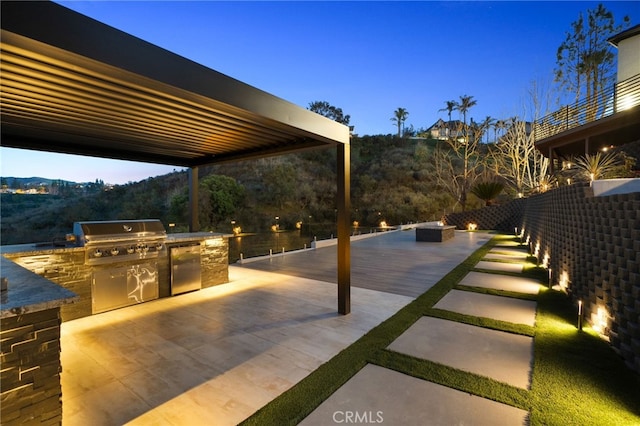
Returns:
<point x="119" y="241"/>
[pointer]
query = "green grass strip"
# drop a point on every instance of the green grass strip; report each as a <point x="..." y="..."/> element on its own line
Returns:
<point x="577" y="378"/>
<point x="493" y="324"/>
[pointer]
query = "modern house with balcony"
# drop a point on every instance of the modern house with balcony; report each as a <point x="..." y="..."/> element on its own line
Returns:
<point x="611" y="120"/>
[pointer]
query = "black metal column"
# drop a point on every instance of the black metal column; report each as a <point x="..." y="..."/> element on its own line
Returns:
<point x="194" y="223"/>
<point x="344" y="228"/>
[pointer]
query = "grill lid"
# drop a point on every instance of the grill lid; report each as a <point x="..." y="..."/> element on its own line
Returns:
<point x="117" y="230"/>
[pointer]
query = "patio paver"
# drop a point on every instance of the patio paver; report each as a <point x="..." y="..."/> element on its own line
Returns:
<point x="501" y="282"/>
<point x="499" y="266"/>
<point x="488" y="306"/>
<point x="388" y="397"/>
<point x="505" y="357"/>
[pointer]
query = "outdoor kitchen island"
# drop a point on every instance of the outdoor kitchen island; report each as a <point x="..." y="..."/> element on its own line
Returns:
<point x="46" y="284"/>
<point x="78" y="270"/>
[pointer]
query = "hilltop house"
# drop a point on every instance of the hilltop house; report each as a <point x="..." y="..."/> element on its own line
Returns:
<point x="583" y="128"/>
<point x="443" y="130"/>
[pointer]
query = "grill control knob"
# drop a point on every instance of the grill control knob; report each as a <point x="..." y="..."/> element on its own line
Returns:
<point x="131" y="249"/>
<point x="115" y="251"/>
<point x="97" y="253"/>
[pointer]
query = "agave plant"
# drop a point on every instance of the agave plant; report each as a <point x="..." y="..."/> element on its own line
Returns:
<point x="487" y="191"/>
<point x="596" y="166"/>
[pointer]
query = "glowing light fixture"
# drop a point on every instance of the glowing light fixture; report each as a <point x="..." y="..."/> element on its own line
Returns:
<point x="579" y="314"/>
<point x="472" y="226"/>
<point x="600" y="322"/>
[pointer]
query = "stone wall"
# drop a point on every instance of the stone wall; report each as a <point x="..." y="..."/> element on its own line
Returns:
<point x="30" y="379"/>
<point x="503" y="218"/>
<point x="67" y="269"/>
<point x="593" y="249"/>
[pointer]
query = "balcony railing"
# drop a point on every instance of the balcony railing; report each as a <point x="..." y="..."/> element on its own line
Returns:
<point x="621" y="96"/>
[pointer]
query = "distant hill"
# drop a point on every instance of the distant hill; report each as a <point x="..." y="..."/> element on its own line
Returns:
<point x="391" y="179"/>
<point x="34" y="181"/>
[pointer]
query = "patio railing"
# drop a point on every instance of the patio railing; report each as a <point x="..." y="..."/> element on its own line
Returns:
<point x="621" y="96"/>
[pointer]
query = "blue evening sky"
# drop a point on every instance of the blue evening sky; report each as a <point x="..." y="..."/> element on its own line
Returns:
<point x="368" y="58"/>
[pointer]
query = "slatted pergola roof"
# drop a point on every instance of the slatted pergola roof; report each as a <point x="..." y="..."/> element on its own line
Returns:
<point x="71" y="84"/>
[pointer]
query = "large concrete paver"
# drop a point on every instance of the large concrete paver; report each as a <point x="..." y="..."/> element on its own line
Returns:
<point x="499" y="266"/>
<point x="502" y="356"/>
<point x="379" y="395"/>
<point x="501" y="282"/>
<point x="488" y="306"/>
<point x="507" y="257"/>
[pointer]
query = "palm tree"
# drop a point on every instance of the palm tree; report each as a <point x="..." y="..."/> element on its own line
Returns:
<point x="399" y="117"/>
<point x="486" y="124"/>
<point x="498" y="125"/>
<point x="451" y="105"/>
<point x="465" y="104"/>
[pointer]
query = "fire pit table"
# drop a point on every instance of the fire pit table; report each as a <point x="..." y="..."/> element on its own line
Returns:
<point x="435" y="234"/>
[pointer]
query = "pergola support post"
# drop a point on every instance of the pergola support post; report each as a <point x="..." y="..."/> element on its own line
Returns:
<point x="344" y="228"/>
<point x="194" y="223"/>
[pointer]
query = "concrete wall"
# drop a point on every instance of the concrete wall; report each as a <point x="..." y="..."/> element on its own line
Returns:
<point x="593" y="247"/>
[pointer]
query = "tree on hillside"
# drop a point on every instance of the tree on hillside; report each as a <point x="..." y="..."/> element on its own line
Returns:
<point x="451" y="106"/>
<point x="585" y="60"/>
<point x="514" y="155"/>
<point x="325" y="109"/>
<point x="399" y="117"/>
<point x="458" y="161"/>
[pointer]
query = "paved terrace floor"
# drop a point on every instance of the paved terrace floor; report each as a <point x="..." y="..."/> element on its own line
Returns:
<point x="217" y="355"/>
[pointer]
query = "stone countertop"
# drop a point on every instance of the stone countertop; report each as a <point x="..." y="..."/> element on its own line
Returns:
<point x="28" y="292"/>
<point x="194" y="236"/>
<point x="35" y="249"/>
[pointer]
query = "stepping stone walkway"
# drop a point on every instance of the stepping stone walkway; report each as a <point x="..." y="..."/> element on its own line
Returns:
<point x="499" y="308"/>
<point x="505" y="357"/>
<point x="501" y="282"/>
<point x="386" y="396"/>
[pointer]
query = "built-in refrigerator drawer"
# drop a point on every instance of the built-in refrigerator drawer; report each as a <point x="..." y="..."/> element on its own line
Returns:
<point x="185" y="269"/>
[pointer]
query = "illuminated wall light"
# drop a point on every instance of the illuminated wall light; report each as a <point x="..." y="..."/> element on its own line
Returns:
<point x="299" y="224"/>
<point x="472" y="226"/>
<point x="440" y="223"/>
<point x="545" y="260"/>
<point x="383" y="224"/>
<point x="600" y="321"/>
<point x="564" y="281"/>
<point x="568" y="181"/>
<point x="520" y="195"/>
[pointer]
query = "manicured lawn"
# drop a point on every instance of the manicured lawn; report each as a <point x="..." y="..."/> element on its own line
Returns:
<point x="577" y="378"/>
